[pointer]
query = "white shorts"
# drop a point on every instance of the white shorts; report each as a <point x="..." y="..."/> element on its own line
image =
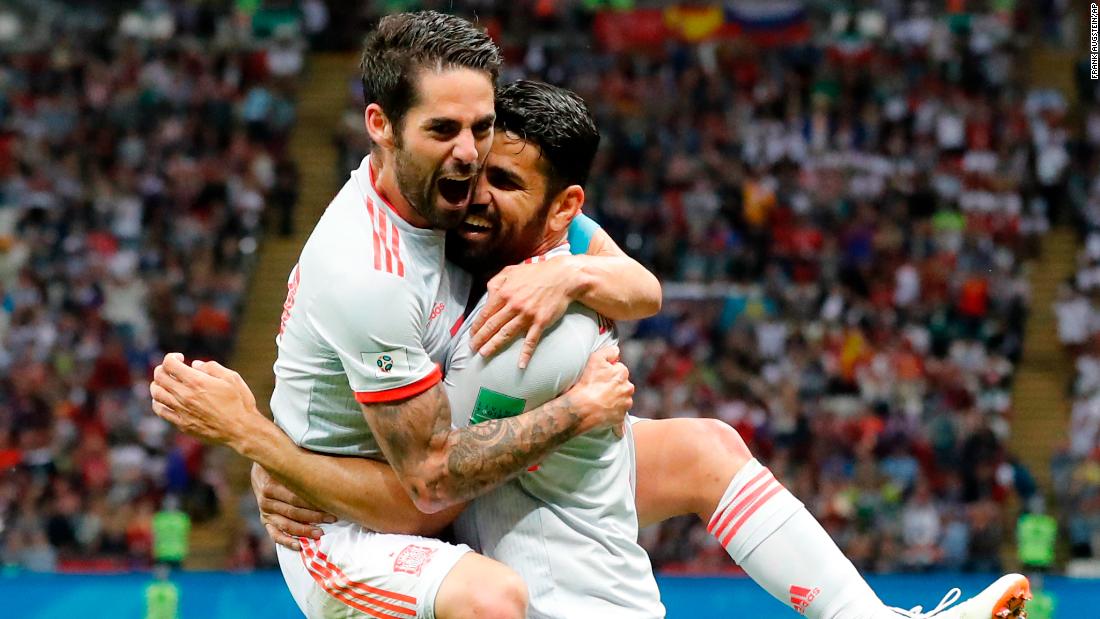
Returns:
<point x="352" y="572"/>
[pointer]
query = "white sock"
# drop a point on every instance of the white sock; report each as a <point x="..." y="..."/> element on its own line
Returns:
<point x="769" y="533"/>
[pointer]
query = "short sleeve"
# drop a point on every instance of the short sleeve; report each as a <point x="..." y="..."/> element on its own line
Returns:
<point x="479" y="389"/>
<point x="581" y="231"/>
<point x="375" y="327"/>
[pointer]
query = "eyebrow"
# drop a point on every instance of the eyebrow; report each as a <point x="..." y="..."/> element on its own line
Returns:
<point x="442" y="122"/>
<point x="508" y="175"/>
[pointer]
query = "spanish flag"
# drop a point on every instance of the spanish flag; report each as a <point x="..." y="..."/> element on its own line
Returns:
<point x="695" y="23"/>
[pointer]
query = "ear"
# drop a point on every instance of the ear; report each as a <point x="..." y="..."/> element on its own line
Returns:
<point x="379" y="127"/>
<point x="564" y="208"/>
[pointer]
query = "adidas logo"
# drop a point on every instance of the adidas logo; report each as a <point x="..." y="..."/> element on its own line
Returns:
<point x="801" y="597"/>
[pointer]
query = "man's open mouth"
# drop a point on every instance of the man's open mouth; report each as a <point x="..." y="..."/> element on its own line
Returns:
<point x="476" y="225"/>
<point x="455" y="190"/>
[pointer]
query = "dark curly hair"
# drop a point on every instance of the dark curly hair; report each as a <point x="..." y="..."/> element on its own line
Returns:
<point x="404" y="43"/>
<point x="558" y="121"/>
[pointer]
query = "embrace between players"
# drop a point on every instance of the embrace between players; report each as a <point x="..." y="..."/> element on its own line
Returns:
<point x="404" y="402"/>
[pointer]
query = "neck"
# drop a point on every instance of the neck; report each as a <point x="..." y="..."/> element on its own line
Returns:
<point x="548" y="243"/>
<point x="488" y="272"/>
<point x="384" y="179"/>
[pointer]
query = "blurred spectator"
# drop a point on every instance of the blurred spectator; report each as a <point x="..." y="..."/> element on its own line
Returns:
<point x="161" y="597"/>
<point x="1036" y="539"/>
<point x="171" y="528"/>
<point x="135" y="168"/>
<point x="1077" y="321"/>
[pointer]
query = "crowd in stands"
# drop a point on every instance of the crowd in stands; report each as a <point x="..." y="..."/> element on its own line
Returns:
<point x="1076" y="469"/>
<point x="852" y="218"/>
<point x="138" y="155"/>
<point x="841" y="226"/>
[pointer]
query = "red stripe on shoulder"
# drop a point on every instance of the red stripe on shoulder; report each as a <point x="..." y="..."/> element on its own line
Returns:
<point x="396" y="235"/>
<point x="387" y="241"/>
<point x="400" y="393"/>
<point x="377" y="240"/>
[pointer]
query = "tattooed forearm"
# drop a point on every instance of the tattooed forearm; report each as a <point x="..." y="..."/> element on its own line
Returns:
<point x="484" y="455"/>
<point x="440" y="466"/>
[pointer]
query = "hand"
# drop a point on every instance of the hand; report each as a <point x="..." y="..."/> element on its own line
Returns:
<point x="285" y="515"/>
<point x="525" y="298"/>
<point x="206" y="400"/>
<point x="604" y="393"/>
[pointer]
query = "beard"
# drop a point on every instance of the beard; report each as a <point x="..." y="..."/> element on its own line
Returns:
<point x="503" y="247"/>
<point x="417" y="183"/>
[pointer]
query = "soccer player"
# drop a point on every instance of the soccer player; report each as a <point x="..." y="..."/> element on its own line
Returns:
<point x="530" y="189"/>
<point x="369" y="314"/>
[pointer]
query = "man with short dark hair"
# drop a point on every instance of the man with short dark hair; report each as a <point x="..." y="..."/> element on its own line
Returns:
<point x="568" y="527"/>
<point x="369" y="314"/>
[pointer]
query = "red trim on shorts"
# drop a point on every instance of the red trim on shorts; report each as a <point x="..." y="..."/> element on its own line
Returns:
<point x="408" y="599"/>
<point x="400" y="393"/>
<point x="352" y="593"/>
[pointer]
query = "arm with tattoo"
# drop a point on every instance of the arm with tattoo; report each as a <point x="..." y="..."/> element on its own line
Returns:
<point x="358" y="489"/>
<point x="440" y="466"/>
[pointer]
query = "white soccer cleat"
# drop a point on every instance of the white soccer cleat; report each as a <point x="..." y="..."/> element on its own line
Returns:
<point x="1004" y="599"/>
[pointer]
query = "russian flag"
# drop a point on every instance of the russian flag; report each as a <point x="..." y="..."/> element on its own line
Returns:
<point x="767" y="22"/>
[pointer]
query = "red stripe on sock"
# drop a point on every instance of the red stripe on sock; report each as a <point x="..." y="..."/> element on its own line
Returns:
<point x="775" y="488"/>
<point x="735" y="508"/>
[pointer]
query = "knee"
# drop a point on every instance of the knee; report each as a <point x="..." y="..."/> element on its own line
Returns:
<point x="480" y="588"/>
<point x="504" y="598"/>
<point x="723" y="441"/>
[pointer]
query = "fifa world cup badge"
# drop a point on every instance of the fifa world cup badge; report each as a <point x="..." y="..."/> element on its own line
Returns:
<point x="385" y="363"/>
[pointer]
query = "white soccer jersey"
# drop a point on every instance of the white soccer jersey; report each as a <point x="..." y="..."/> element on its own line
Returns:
<point x="369" y="315"/>
<point x="569" y="527"/>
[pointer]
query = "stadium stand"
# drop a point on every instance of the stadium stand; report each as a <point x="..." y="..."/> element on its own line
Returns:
<point x="841" y="210"/>
<point x="862" y="234"/>
<point x="1077" y="466"/>
<point x="841" y="222"/>
<point x="138" y="154"/>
